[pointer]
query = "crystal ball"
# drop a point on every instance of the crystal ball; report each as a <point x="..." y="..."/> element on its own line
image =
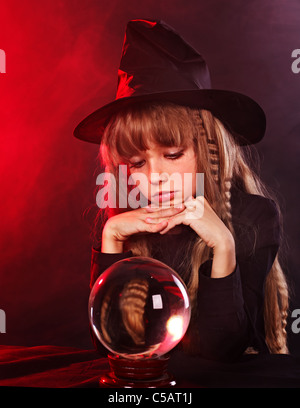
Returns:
<point x="139" y="308"/>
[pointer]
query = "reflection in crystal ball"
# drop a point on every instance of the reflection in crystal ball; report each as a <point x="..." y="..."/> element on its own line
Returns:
<point x="139" y="308"/>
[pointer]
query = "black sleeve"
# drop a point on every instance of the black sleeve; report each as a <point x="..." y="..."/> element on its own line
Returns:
<point x="101" y="261"/>
<point x="230" y="309"/>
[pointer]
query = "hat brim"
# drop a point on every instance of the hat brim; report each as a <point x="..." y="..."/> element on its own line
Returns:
<point x="241" y="115"/>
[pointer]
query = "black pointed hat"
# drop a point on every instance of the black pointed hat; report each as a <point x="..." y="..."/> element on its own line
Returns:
<point x="157" y="64"/>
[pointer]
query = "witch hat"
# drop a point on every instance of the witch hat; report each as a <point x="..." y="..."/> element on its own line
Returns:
<point x="157" y="64"/>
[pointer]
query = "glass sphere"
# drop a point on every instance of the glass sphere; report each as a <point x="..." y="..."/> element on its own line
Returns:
<point x="139" y="308"/>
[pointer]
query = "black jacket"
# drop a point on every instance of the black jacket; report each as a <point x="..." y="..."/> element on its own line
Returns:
<point x="229" y="314"/>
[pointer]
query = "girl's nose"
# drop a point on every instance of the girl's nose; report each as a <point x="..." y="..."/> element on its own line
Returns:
<point x="157" y="178"/>
<point x="157" y="173"/>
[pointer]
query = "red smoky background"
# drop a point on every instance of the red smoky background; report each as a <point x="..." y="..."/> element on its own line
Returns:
<point x="61" y="64"/>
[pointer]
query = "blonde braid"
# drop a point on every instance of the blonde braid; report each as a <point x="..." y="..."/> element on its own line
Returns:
<point x="217" y="191"/>
<point x="276" y="306"/>
<point x="220" y="171"/>
<point x="213" y="151"/>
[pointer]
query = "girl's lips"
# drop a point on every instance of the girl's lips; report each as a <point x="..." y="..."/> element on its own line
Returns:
<point x="165" y="196"/>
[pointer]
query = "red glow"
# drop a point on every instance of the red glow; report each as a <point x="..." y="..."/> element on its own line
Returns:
<point x="47" y="177"/>
<point x="150" y="23"/>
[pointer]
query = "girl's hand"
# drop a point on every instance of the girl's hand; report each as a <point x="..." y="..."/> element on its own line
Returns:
<point x="121" y="226"/>
<point x="199" y="215"/>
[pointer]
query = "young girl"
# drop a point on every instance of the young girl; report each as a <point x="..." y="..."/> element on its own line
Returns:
<point x="223" y="243"/>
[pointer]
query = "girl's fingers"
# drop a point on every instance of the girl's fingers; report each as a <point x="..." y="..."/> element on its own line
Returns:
<point x="157" y="227"/>
<point x="173" y="222"/>
<point x="191" y="206"/>
<point x="200" y="198"/>
<point x="154" y="220"/>
<point x="156" y="216"/>
<point x="164" y="212"/>
<point x="163" y="220"/>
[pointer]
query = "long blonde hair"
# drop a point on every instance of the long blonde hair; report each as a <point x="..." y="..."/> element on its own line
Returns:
<point x="223" y="162"/>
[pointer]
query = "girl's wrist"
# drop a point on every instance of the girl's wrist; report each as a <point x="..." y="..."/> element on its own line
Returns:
<point x="225" y="244"/>
<point x="224" y="259"/>
<point x="110" y="244"/>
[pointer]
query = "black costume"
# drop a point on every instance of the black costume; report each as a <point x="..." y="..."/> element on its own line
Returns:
<point x="229" y="316"/>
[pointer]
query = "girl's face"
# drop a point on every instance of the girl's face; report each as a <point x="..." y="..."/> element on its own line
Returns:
<point x="165" y="175"/>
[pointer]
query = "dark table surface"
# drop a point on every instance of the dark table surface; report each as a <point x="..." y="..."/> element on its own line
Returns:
<point x="65" y="367"/>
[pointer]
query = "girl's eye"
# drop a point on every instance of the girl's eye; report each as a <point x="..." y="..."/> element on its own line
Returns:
<point x="137" y="164"/>
<point x="172" y="156"/>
